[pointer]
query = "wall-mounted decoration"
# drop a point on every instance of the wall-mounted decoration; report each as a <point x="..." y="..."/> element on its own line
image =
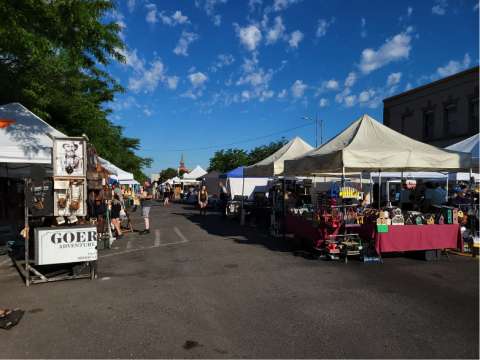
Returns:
<point x="69" y="157"/>
<point x="69" y="197"/>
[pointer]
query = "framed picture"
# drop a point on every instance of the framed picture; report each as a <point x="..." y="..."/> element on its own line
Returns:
<point x="69" y="157"/>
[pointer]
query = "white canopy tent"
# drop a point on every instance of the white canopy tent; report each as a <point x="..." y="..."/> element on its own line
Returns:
<point x="274" y="164"/>
<point x="28" y="140"/>
<point x="368" y="145"/>
<point x="122" y="176"/>
<point x="195" y="173"/>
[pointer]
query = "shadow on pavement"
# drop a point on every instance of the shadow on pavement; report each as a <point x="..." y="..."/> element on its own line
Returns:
<point x="215" y="224"/>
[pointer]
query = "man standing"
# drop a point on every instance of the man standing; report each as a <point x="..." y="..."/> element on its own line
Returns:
<point x="146" y="202"/>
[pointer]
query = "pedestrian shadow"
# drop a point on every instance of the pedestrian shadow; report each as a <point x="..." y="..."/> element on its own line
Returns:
<point x="231" y="229"/>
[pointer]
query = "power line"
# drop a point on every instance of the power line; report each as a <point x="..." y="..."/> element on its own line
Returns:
<point x="232" y="143"/>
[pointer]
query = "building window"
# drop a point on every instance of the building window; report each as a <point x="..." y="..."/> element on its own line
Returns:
<point x="405" y="121"/>
<point x="428" y="125"/>
<point x="473" y="111"/>
<point x="449" y="116"/>
<point x="473" y="116"/>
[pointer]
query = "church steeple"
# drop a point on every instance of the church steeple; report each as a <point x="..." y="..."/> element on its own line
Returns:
<point x="182" y="168"/>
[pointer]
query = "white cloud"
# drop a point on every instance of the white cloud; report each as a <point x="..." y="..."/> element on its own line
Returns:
<point x="340" y="97"/>
<point x="151" y="16"/>
<point x="249" y="36"/>
<point x="131" y="5"/>
<point x="408" y="86"/>
<point x="282" y="94"/>
<point x="351" y="79"/>
<point x="363" y="32"/>
<point x="222" y="61"/>
<point x="350" y="100"/>
<point x="147" y="112"/>
<point x="197" y="79"/>
<point x="454" y="66"/>
<point x="323" y="102"/>
<point x="409" y="11"/>
<point x="440" y="7"/>
<point x="298" y="89"/>
<point x="394" y="49"/>
<point x="209" y="8"/>
<point x="394" y="78"/>
<point x="366" y="95"/>
<point x="323" y="26"/>
<point x="475" y="7"/>
<point x="331" y="84"/>
<point x="148" y="79"/>
<point x="276" y="32"/>
<point x="184" y="42"/>
<point x="172" y="82"/>
<point x="295" y="38"/>
<point x="279" y="5"/>
<point x="177" y="18"/>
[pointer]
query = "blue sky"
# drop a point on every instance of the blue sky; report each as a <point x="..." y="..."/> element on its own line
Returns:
<point x="204" y="73"/>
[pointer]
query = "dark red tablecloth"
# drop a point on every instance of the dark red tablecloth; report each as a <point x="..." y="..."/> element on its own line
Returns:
<point x="418" y="237"/>
<point x="305" y="229"/>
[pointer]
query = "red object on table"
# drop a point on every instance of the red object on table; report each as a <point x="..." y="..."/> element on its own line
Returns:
<point x="304" y="229"/>
<point x="401" y="238"/>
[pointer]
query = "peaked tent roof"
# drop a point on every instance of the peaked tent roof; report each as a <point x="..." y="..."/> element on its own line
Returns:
<point x="211" y="175"/>
<point x="121" y="175"/>
<point x="235" y="173"/>
<point x="274" y="164"/>
<point x="28" y="139"/>
<point x="469" y="145"/>
<point x="195" y="173"/>
<point x="368" y="145"/>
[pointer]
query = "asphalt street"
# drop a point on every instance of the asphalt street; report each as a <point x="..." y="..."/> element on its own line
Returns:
<point x="204" y="287"/>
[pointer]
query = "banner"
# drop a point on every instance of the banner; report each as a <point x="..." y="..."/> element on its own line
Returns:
<point x="65" y="244"/>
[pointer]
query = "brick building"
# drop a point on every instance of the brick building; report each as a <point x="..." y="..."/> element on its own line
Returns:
<point x="440" y="113"/>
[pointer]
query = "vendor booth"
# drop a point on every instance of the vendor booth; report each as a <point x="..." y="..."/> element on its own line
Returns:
<point x="272" y="167"/>
<point x="46" y="178"/>
<point x="341" y="220"/>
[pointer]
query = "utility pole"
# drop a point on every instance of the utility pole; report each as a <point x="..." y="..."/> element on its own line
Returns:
<point x="316" y="120"/>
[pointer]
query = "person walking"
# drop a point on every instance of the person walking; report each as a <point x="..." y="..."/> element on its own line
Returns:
<point x="146" y="202"/>
<point x="115" y="214"/>
<point x="223" y="198"/>
<point x="203" y="200"/>
<point x="166" y="195"/>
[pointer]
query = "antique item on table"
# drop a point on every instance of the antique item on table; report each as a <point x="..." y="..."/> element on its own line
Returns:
<point x="419" y="220"/>
<point x="440" y="219"/>
<point x="430" y="219"/>
<point x="398" y="220"/>
<point x="60" y="220"/>
<point x="455" y="216"/>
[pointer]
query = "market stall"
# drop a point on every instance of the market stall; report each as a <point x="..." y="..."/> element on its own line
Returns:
<point x="49" y="175"/>
<point x="367" y="145"/>
<point x="272" y="167"/>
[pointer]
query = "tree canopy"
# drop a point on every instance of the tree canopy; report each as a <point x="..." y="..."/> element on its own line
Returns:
<point x="167" y="173"/>
<point x="53" y="56"/>
<point x="225" y="160"/>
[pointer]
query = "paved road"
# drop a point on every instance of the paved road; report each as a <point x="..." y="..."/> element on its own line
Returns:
<point x="204" y="287"/>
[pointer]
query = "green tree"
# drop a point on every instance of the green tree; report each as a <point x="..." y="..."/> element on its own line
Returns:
<point x="167" y="173"/>
<point x="261" y="152"/>
<point x="225" y="160"/>
<point x="53" y="56"/>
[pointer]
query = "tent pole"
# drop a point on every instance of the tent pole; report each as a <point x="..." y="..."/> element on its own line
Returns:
<point x="446" y="188"/>
<point x="27" y="235"/>
<point x="379" y="188"/>
<point x="242" y="212"/>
